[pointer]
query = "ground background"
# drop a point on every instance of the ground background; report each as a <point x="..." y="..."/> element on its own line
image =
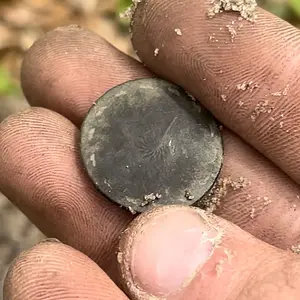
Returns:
<point x="24" y="21"/>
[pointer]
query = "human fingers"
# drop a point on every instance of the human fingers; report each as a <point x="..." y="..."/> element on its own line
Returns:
<point x="245" y="74"/>
<point x="267" y="207"/>
<point x="202" y="257"/>
<point x="42" y="173"/>
<point x="54" y="271"/>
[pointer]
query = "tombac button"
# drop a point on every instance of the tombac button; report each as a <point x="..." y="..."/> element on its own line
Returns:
<point x="146" y="143"/>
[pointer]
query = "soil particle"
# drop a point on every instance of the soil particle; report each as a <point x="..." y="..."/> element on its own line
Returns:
<point x="252" y="213"/>
<point x="150" y="198"/>
<point x="188" y="195"/>
<point x="178" y="31"/>
<point x="246" y="8"/>
<point x="156" y="51"/>
<point x="262" y="107"/>
<point x="232" y="32"/>
<point x="296" y="249"/>
<point x="277" y="94"/>
<point x="131" y="210"/>
<point x="224" y="98"/>
<point x="120" y="257"/>
<point x="284" y="92"/>
<point x="93" y="160"/>
<point x="267" y="201"/>
<point x="212" y="38"/>
<point x="247" y="86"/>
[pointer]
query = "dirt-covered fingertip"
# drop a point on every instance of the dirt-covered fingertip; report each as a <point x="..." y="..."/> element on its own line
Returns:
<point x="180" y="252"/>
<point x="162" y="250"/>
<point x="55" y="271"/>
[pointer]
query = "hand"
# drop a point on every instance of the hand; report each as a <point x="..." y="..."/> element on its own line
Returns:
<point x="171" y="252"/>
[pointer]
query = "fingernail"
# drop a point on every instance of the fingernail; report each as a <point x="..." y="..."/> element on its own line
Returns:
<point x="169" y="250"/>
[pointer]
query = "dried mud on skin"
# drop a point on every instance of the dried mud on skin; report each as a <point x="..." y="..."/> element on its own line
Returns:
<point x="246" y="8"/>
<point x="213" y="199"/>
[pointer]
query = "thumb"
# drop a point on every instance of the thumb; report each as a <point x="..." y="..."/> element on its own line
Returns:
<point x="184" y="253"/>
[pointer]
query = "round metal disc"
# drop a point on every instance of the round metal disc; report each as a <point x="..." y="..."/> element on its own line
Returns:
<point x="146" y="143"/>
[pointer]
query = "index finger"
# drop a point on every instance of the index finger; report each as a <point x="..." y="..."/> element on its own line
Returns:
<point x="245" y="73"/>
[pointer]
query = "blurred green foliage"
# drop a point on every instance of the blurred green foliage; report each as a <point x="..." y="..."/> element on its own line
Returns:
<point x="123" y="4"/>
<point x="8" y="86"/>
<point x="295" y="5"/>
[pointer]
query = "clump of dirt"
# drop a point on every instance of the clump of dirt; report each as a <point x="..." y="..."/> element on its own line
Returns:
<point x="252" y="213"/>
<point x="178" y="31"/>
<point x="246" y="8"/>
<point x="247" y="86"/>
<point x="212" y="200"/>
<point x="232" y="32"/>
<point x="296" y="249"/>
<point x="262" y="107"/>
<point x="267" y="201"/>
<point x="148" y="199"/>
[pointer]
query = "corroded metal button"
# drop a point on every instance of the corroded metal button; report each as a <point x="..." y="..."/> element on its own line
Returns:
<point x="146" y="143"/>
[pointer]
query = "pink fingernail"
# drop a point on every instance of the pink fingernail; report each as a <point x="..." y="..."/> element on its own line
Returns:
<point x="169" y="251"/>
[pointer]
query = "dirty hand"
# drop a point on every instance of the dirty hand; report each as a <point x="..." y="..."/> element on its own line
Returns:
<point x="171" y="253"/>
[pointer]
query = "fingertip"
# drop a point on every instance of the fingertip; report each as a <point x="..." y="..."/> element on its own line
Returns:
<point x="69" y="68"/>
<point x="52" y="270"/>
<point x="178" y="251"/>
<point x="160" y="256"/>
